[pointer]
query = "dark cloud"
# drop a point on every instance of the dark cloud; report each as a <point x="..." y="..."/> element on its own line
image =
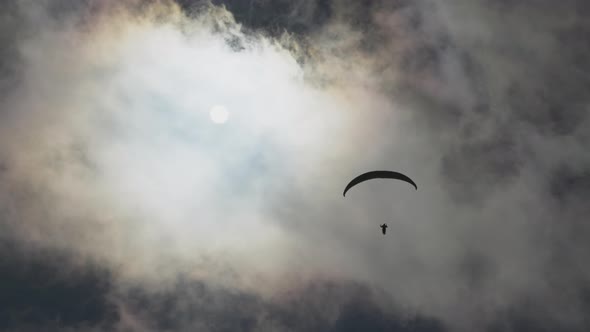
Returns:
<point x="9" y="34"/>
<point x="320" y="306"/>
<point x="274" y="17"/>
<point x="54" y="292"/>
<point x="49" y="290"/>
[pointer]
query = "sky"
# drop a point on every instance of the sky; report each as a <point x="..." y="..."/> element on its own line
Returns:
<point x="179" y="165"/>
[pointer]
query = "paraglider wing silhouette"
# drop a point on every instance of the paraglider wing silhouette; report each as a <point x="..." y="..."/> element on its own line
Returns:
<point x="379" y="175"/>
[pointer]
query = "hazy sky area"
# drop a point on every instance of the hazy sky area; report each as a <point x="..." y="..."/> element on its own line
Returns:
<point x="179" y="165"/>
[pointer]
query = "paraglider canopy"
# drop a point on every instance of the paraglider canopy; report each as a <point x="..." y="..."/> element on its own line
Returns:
<point x="379" y="175"/>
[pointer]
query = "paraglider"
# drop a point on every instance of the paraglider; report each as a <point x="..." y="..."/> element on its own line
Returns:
<point x="379" y="175"/>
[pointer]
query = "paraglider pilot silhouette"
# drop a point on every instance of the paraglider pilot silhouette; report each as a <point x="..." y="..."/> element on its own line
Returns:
<point x="379" y="175"/>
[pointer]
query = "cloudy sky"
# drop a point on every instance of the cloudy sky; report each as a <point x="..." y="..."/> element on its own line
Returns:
<point x="179" y="165"/>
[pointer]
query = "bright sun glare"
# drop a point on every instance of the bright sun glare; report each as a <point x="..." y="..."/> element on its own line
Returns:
<point x="219" y="114"/>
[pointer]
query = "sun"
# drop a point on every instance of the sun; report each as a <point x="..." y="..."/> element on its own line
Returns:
<point x="219" y="114"/>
